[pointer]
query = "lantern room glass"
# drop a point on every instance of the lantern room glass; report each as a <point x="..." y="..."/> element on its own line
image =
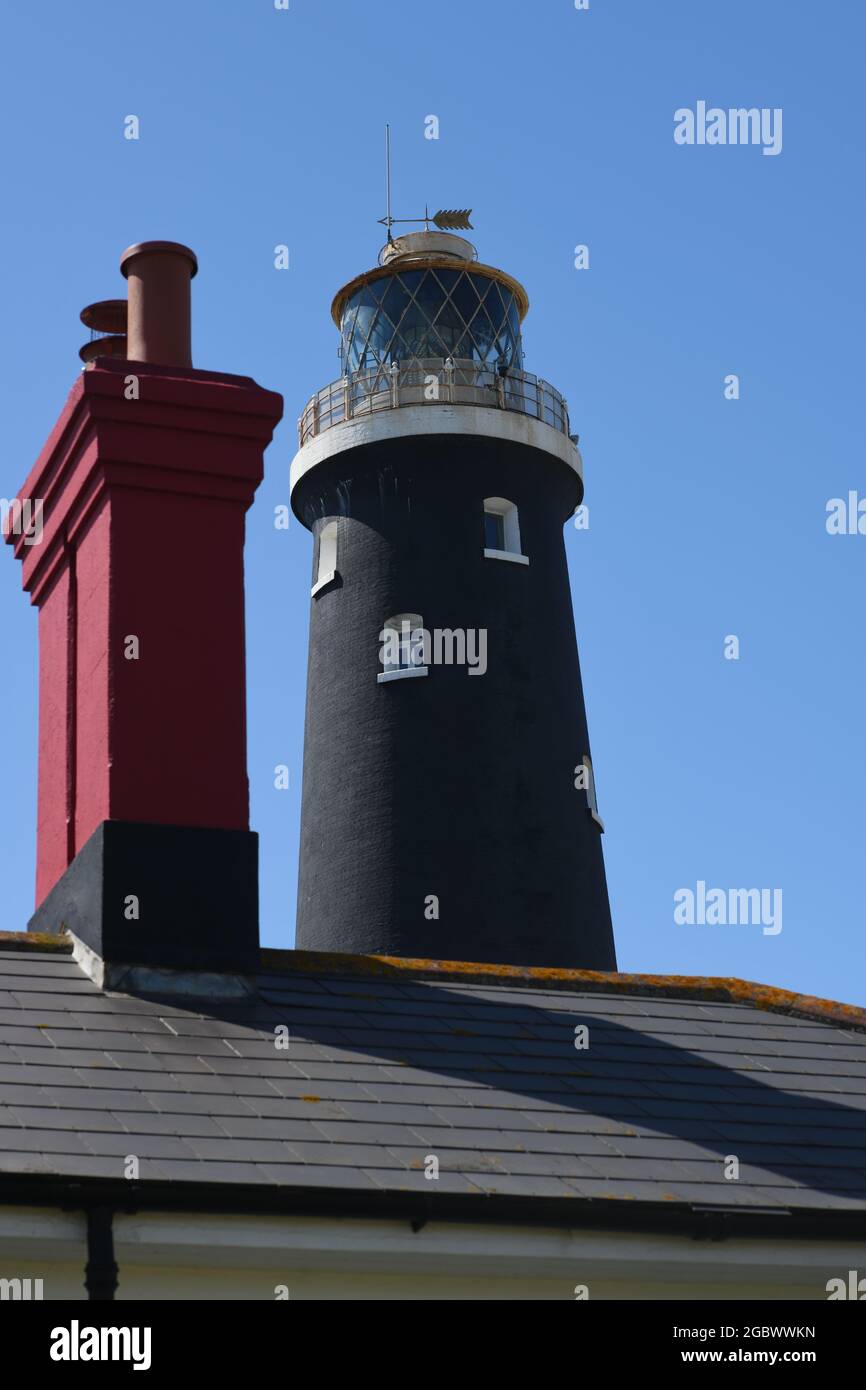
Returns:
<point x="431" y="313"/>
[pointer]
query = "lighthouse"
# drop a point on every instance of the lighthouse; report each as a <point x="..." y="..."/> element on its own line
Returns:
<point x="449" y="805"/>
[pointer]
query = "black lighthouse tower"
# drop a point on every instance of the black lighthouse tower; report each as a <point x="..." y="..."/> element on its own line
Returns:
<point x="449" y="806"/>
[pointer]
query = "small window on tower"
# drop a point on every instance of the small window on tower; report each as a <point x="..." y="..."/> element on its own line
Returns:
<point x="402" y="652"/>
<point x="591" y="798"/>
<point x="494" y="531"/>
<point x="326" y="568"/>
<point x="502" y="531"/>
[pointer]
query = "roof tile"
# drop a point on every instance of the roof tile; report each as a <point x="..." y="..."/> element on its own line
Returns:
<point x="382" y="1072"/>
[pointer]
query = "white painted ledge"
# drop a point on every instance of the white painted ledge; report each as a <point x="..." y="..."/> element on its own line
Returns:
<point x="409" y="421"/>
<point x="405" y="673"/>
<point x="506" y="555"/>
<point x="323" y="583"/>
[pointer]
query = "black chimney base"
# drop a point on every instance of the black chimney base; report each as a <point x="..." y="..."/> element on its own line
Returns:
<point x="172" y="897"/>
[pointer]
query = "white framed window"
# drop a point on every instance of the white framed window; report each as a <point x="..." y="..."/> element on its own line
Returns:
<point x="326" y="568"/>
<point x="502" y="531"/>
<point x="403" y="648"/>
<point x="591" y="798"/>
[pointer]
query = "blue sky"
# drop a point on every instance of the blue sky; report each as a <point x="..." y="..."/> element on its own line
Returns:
<point x="707" y="515"/>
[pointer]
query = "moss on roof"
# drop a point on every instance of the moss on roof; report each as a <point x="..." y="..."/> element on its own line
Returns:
<point x="712" y="988"/>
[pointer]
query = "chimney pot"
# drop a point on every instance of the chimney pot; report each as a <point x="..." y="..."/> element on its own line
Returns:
<point x="105" y="316"/>
<point x="107" y="319"/>
<point x="159" y="275"/>
<point x="110" y="345"/>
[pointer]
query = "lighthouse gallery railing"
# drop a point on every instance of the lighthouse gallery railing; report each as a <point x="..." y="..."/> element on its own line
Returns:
<point x="431" y="382"/>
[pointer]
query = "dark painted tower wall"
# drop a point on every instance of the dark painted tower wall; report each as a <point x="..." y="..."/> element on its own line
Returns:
<point x="440" y="814"/>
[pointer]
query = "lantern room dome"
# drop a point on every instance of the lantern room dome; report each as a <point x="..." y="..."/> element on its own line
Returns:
<point x="430" y="299"/>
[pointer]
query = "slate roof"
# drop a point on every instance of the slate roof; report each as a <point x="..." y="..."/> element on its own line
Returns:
<point x="387" y="1065"/>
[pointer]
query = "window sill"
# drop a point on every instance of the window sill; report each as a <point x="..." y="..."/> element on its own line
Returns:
<point x="405" y="673"/>
<point x="506" y="555"/>
<point x="322" y="584"/>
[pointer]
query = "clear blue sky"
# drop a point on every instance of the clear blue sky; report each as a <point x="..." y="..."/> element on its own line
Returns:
<point x="707" y="516"/>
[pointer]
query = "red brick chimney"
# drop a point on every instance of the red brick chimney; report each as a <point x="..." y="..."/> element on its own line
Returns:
<point x="144" y="848"/>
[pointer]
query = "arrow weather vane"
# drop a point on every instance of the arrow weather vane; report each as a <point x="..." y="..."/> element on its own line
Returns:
<point x="446" y="219"/>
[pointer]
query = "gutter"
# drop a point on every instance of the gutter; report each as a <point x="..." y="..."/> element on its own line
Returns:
<point x="101" y="1197"/>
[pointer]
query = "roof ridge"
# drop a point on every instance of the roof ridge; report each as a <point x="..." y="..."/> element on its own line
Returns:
<point x="723" y="989"/>
<point x="35" y="941"/>
<point x="712" y="988"/>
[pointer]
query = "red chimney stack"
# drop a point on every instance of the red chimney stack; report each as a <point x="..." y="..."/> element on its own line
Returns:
<point x="144" y="847"/>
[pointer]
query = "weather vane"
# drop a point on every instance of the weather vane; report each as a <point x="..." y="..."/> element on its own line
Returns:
<point x="446" y="219"/>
